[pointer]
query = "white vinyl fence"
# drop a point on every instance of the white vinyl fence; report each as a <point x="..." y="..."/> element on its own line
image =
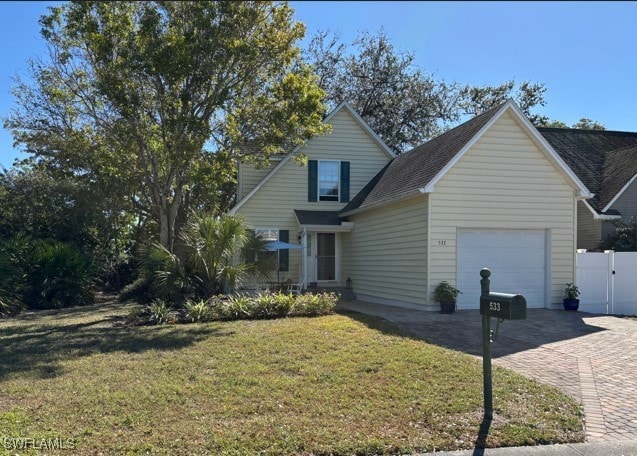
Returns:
<point x="607" y="282"/>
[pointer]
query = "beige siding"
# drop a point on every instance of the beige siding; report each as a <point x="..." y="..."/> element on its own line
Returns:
<point x="272" y="206"/>
<point x="386" y="253"/>
<point x="505" y="182"/>
<point x="589" y="230"/>
<point x="249" y="177"/>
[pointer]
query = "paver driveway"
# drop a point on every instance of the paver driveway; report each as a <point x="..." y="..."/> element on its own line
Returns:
<point x="590" y="357"/>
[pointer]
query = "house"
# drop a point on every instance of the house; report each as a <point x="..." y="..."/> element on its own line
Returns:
<point x="298" y="204"/>
<point x="606" y="162"/>
<point x="491" y="192"/>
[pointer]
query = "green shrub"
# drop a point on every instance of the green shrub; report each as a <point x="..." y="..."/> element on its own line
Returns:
<point x="11" y="282"/>
<point x="233" y="308"/>
<point x="57" y="275"/>
<point x="237" y="307"/>
<point x="314" y="304"/>
<point x="139" y="290"/>
<point x="137" y="316"/>
<point x="197" y="311"/>
<point x="272" y="305"/>
<point x="160" y="313"/>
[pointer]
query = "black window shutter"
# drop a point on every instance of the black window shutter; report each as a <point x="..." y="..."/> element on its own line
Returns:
<point x="312" y="180"/>
<point x="284" y="254"/>
<point x="344" y="182"/>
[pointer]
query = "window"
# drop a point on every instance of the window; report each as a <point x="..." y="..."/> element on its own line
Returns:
<point x="280" y="256"/>
<point x="267" y="235"/>
<point x="328" y="177"/>
<point x="328" y="180"/>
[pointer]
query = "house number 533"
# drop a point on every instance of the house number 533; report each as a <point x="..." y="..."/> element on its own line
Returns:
<point x="494" y="306"/>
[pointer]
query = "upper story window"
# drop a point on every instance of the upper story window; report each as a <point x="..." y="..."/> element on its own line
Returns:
<point x="328" y="180"/>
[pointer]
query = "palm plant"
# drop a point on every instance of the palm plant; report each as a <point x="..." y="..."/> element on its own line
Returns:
<point x="208" y="263"/>
<point x="167" y="272"/>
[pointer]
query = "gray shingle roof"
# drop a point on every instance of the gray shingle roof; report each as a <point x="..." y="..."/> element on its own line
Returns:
<point x="317" y="217"/>
<point x="603" y="160"/>
<point x="413" y="170"/>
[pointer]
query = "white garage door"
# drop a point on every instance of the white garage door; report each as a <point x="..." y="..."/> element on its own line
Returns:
<point x="516" y="258"/>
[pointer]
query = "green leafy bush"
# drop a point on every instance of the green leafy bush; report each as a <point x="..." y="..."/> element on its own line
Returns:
<point x="139" y="290"/>
<point x="237" y="307"/>
<point x="272" y="305"/>
<point x="233" y="308"/>
<point x="43" y="274"/>
<point x="197" y="311"/>
<point x="314" y="304"/>
<point x="59" y="275"/>
<point x="10" y="284"/>
<point x="160" y="313"/>
<point x="624" y="239"/>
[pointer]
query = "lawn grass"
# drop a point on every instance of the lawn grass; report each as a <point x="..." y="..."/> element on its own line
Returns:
<point x="341" y="384"/>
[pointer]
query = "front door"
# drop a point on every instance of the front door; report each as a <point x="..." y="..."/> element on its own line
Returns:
<point x="326" y="256"/>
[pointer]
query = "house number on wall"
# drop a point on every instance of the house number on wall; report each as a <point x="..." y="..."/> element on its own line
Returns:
<point x="442" y="243"/>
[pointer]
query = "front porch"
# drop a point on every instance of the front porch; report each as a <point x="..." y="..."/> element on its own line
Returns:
<point x="319" y="235"/>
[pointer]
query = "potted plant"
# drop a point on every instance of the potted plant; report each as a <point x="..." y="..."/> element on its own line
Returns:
<point x="446" y="295"/>
<point x="571" y="294"/>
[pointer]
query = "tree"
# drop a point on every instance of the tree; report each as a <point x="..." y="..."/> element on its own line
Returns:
<point x="624" y="239"/>
<point x="44" y="205"/>
<point x="145" y="97"/>
<point x="403" y="104"/>
<point x="582" y="124"/>
<point x="476" y="100"/>
<point x="588" y="124"/>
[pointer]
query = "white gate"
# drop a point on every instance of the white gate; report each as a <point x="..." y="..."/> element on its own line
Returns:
<point x="607" y="282"/>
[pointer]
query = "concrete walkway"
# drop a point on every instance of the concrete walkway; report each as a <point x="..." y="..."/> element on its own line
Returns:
<point x="590" y="357"/>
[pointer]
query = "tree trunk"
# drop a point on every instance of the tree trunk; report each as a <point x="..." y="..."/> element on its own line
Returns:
<point x="165" y="236"/>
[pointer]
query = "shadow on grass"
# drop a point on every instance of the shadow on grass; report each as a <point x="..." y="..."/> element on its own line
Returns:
<point x="376" y="323"/>
<point x="40" y="348"/>
<point x="462" y="331"/>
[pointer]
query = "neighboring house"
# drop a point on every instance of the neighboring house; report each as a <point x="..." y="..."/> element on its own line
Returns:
<point x="490" y="193"/>
<point x="606" y="162"/>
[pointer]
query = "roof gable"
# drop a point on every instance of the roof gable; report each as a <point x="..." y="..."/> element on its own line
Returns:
<point x="343" y="107"/>
<point x="606" y="161"/>
<point x="418" y="170"/>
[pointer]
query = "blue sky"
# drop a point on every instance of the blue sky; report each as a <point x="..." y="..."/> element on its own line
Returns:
<point x="585" y="52"/>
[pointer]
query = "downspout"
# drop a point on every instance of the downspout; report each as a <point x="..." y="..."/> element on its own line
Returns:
<point x="304" y="253"/>
<point x="575" y="240"/>
<point x="428" y="281"/>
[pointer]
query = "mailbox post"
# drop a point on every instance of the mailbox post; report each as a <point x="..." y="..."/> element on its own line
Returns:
<point x="505" y="307"/>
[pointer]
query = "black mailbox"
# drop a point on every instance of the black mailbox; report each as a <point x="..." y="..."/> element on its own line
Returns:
<point x="503" y="305"/>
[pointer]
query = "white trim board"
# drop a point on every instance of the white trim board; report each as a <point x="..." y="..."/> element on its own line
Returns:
<point x="619" y="193"/>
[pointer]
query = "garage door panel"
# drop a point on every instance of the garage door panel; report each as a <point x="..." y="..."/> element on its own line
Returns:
<point x="517" y="260"/>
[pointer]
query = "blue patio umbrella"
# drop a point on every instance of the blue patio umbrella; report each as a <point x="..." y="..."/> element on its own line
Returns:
<point x="275" y="246"/>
